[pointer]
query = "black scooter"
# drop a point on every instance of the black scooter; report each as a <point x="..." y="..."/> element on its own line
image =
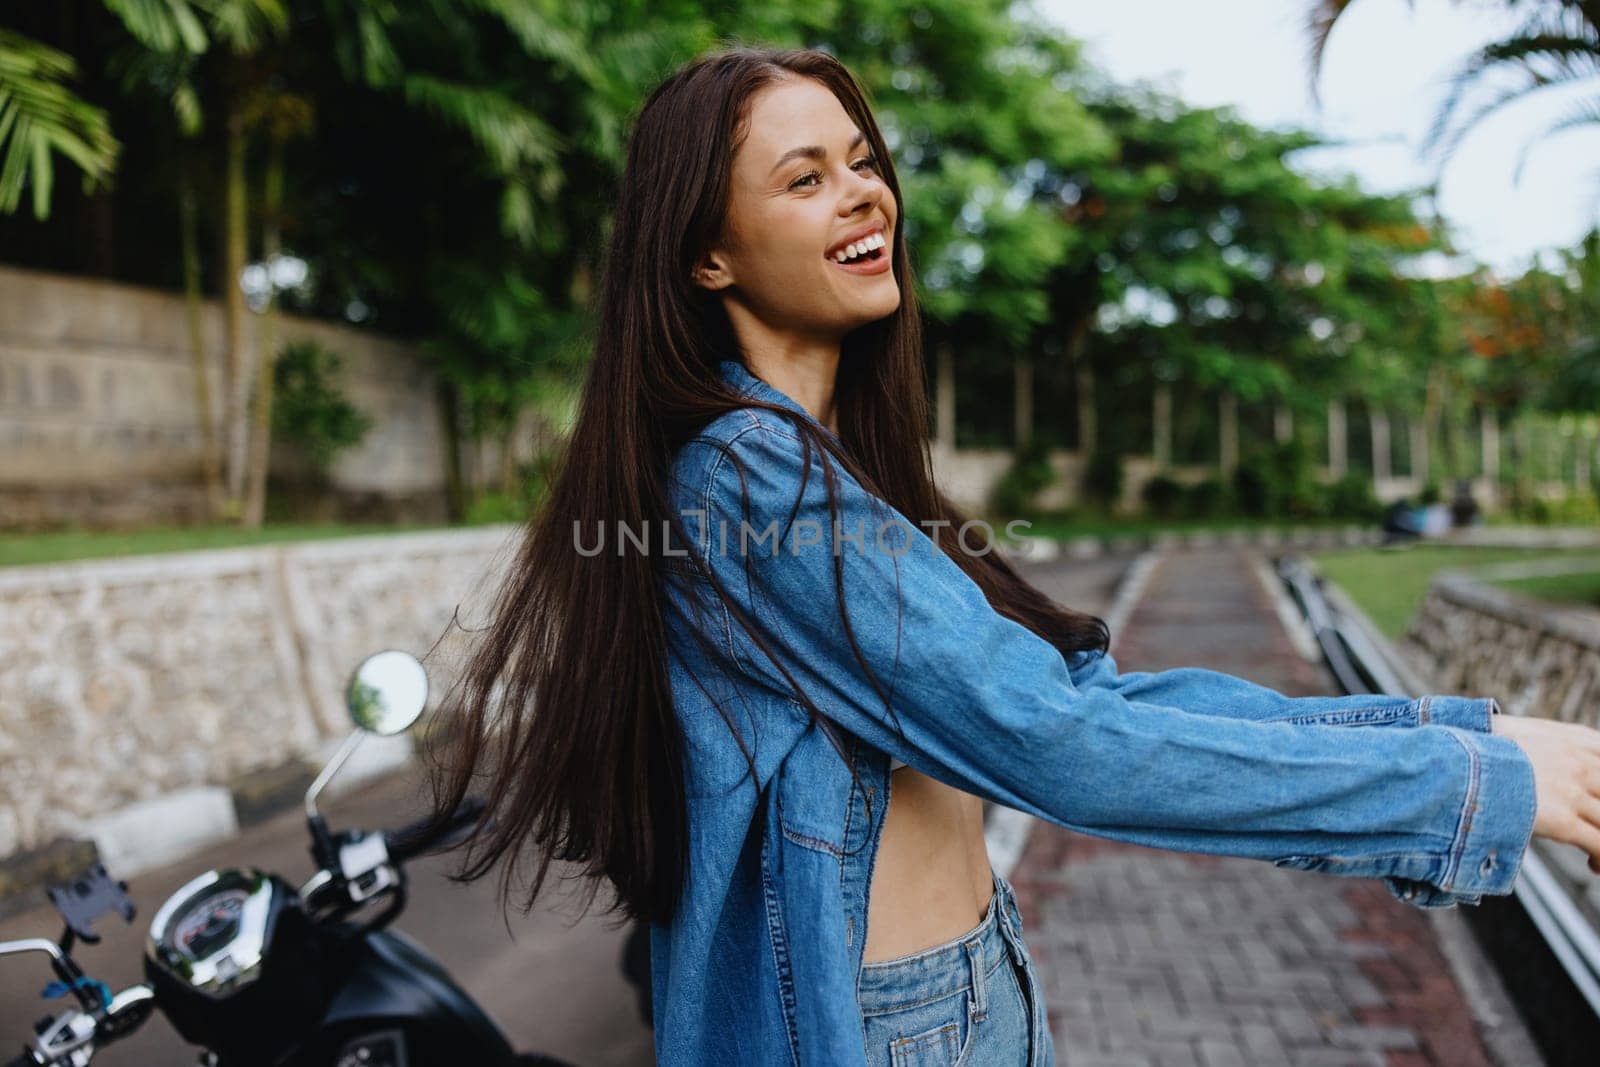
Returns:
<point x="259" y="974"/>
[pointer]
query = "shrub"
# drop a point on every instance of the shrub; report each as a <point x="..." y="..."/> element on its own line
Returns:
<point x="1029" y="474"/>
<point x="308" y="409"/>
<point x="1352" y="498"/>
<point x="1275" y="481"/>
<point x="1102" y="478"/>
<point x="1163" y="496"/>
<point x="1208" y="499"/>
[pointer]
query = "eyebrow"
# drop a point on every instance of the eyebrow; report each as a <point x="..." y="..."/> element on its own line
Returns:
<point x="813" y="151"/>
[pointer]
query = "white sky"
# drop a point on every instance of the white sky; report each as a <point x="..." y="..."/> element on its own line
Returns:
<point x="1384" y="75"/>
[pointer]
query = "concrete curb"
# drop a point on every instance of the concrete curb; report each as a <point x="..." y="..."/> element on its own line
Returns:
<point x="1091" y="546"/>
<point x="173" y="826"/>
<point x="1506" y="1037"/>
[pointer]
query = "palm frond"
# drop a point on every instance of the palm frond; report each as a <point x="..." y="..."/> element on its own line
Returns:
<point x="1320" y="21"/>
<point x="166" y="26"/>
<point x="40" y="118"/>
<point x="245" y="25"/>
<point x="509" y="135"/>
<point x="1585" y="115"/>
<point x="362" y="45"/>
<point x="541" y="35"/>
<point x="1535" y="61"/>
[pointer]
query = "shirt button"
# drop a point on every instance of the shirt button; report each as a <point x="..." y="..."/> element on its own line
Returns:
<point x="1488" y="864"/>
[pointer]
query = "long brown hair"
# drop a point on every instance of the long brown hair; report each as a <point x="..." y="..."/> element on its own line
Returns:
<point x="565" y="704"/>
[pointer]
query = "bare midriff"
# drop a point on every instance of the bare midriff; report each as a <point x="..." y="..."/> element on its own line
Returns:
<point x="931" y="881"/>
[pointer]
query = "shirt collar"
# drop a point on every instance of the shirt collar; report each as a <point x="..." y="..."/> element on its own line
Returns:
<point x="735" y="374"/>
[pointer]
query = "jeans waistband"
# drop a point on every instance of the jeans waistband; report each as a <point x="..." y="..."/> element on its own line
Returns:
<point x="942" y="970"/>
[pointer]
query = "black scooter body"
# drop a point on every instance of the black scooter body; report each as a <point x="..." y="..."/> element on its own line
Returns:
<point x="389" y="985"/>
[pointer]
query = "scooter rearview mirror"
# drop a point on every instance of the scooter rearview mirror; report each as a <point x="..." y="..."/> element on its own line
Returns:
<point x="387" y="692"/>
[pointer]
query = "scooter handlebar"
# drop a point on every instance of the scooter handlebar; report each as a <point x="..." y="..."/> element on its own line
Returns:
<point x="411" y="841"/>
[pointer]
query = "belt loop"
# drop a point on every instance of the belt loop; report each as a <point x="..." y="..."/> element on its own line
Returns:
<point x="980" y="995"/>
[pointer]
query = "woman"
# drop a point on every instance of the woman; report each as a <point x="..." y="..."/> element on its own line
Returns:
<point x="707" y="720"/>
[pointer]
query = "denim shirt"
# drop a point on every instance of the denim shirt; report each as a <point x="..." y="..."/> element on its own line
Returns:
<point x="760" y="963"/>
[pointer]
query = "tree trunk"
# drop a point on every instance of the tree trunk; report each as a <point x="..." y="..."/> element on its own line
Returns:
<point x="1227" y="435"/>
<point x="234" y="251"/>
<point x="945" y="396"/>
<point x="1084" y="373"/>
<point x="1489" y="432"/>
<point x="267" y="343"/>
<point x="455" y="490"/>
<point x="1161" y="418"/>
<point x="199" y="360"/>
<point x="1022" y="399"/>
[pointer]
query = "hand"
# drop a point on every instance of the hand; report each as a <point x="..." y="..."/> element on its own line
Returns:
<point x="1566" y="775"/>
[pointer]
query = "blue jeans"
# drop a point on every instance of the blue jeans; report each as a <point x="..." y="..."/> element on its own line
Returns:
<point x="973" y="1000"/>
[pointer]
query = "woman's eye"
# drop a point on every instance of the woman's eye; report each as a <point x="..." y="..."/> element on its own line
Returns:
<point x="870" y="161"/>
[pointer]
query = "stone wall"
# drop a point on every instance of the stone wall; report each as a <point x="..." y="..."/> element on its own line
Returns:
<point x="98" y="421"/>
<point x="124" y="681"/>
<point x="1535" y="658"/>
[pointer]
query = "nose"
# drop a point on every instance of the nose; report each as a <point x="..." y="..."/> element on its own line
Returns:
<point x="867" y="189"/>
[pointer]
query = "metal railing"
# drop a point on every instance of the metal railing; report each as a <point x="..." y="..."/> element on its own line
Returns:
<point x="1359" y="665"/>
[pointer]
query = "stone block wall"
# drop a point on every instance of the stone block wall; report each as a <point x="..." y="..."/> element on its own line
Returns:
<point x="126" y="680"/>
<point x="98" y="421"/>
<point x="1535" y="658"/>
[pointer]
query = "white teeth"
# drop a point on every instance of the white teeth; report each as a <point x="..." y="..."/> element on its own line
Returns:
<point x="859" y="248"/>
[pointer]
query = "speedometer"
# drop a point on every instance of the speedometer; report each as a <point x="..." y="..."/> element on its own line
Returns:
<point x="210" y="924"/>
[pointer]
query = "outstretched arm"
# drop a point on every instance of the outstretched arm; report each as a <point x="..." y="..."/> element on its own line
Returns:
<point x="980" y="702"/>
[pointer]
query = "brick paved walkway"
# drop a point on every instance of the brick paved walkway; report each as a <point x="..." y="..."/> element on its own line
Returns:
<point x="1164" y="959"/>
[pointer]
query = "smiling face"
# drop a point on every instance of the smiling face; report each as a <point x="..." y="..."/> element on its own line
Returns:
<point x="804" y="185"/>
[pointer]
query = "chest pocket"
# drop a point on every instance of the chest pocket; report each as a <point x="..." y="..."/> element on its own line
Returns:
<point x="819" y="806"/>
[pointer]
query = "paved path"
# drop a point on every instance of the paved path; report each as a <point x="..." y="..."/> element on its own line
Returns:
<point x="1165" y="959"/>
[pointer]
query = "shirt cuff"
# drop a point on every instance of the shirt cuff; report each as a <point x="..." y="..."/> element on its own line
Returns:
<point x="1466" y="713"/>
<point x="1496" y="819"/>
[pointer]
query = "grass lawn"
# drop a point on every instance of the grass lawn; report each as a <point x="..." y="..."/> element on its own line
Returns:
<point x="60" y="545"/>
<point x="1583" y="588"/>
<point x="1390" y="583"/>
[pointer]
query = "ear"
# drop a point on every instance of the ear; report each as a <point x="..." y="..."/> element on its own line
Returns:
<point x="711" y="272"/>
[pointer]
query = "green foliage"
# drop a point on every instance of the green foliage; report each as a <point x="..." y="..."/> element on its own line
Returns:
<point x="1030" y="473"/>
<point x="1207" y="499"/>
<point x="1102" y="478"/>
<point x="309" y="411"/>
<point x="520" y="502"/>
<point x="1275" y="481"/>
<point x="1352" y="499"/>
<point x="41" y="118"/>
<point x="1574" y="509"/>
<point x="1163" y="496"/>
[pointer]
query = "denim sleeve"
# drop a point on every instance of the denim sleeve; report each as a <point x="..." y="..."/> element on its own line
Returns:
<point x="978" y="701"/>
<point x="1209" y="692"/>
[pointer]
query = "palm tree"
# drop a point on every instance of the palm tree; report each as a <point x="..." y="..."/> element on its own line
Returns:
<point x="1556" y="45"/>
<point x="40" y="118"/>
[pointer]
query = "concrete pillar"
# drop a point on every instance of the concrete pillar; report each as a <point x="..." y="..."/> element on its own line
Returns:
<point x="1161" y="446"/>
<point x="944" y="392"/>
<point x="1378" y="421"/>
<point x="1282" y="424"/>
<point x="1580" y="462"/>
<point x="1228" y="434"/>
<point x="1489" y="434"/>
<point x="1419" y="449"/>
<point x="1022" y="401"/>
<point x="1338" y="445"/>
